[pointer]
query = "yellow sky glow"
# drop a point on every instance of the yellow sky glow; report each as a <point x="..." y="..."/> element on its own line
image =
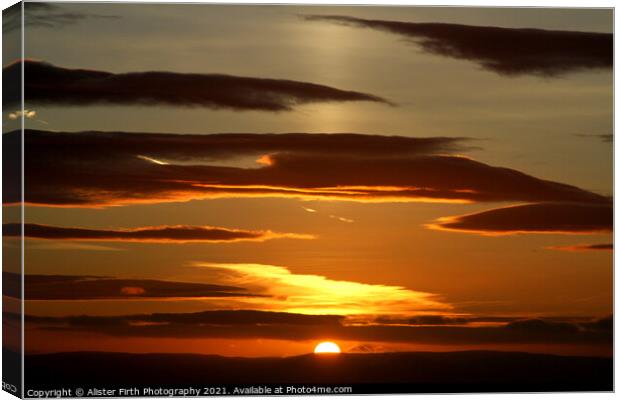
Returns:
<point x="316" y="294"/>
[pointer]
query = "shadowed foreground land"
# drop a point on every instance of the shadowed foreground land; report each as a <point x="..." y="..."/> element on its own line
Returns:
<point x="400" y="372"/>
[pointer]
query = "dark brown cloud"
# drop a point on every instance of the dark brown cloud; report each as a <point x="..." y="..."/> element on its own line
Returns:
<point x="67" y="287"/>
<point x="99" y="169"/>
<point x="570" y="218"/>
<point x="585" y="247"/>
<point x="49" y="84"/>
<point x="506" y="51"/>
<point x="287" y="326"/>
<point x="150" y="234"/>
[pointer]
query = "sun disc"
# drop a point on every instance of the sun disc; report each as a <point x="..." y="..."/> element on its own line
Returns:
<point x="327" y="347"/>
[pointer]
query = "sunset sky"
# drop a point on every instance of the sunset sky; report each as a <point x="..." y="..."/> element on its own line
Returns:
<point x="251" y="180"/>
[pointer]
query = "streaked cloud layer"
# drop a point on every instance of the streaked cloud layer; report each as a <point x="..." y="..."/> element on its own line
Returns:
<point x="505" y="51"/>
<point x="290" y="326"/>
<point x="102" y="169"/>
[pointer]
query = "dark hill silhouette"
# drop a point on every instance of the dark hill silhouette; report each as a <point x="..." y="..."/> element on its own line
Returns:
<point x="408" y="372"/>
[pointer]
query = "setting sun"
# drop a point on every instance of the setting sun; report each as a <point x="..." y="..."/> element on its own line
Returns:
<point x="326" y="347"/>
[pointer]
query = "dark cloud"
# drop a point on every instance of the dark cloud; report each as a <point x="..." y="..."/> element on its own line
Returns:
<point x="422" y="320"/>
<point x="540" y="326"/>
<point x="46" y="15"/>
<point x="150" y="234"/>
<point x="12" y="182"/>
<point x="602" y="324"/>
<point x="49" y="84"/>
<point x="98" y="169"/>
<point x="367" y="348"/>
<point x="216" y="317"/>
<point x="287" y="326"/>
<point x="585" y="247"/>
<point x="506" y="51"/>
<point x="67" y="287"/>
<point x="534" y="218"/>
<point x="101" y="146"/>
<point x="441" y="320"/>
<point x="605" y="138"/>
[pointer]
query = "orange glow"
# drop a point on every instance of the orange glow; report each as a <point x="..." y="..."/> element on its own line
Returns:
<point x="265" y="160"/>
<point x="327" y="347"/>
<point x="132" y="290"/>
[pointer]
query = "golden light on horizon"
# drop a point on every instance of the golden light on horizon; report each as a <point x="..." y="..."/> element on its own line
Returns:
<point x="327" y="347"/>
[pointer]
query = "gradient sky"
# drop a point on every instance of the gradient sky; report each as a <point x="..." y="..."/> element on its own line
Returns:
<point x="359" y="259"/>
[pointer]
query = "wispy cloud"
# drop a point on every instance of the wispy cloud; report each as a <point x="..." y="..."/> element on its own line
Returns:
<point x="336" y="217"/>
<point x="342" y="219"/>
<point x="505" y="51"/>
<point x="47" y="15"/>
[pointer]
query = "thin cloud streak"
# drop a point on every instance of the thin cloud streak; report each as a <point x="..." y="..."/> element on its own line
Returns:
<point x="553" y="218"/>
<point x="604" y="137"/>
<point x="585" y="247"/>
<point x="150" y="234"/>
